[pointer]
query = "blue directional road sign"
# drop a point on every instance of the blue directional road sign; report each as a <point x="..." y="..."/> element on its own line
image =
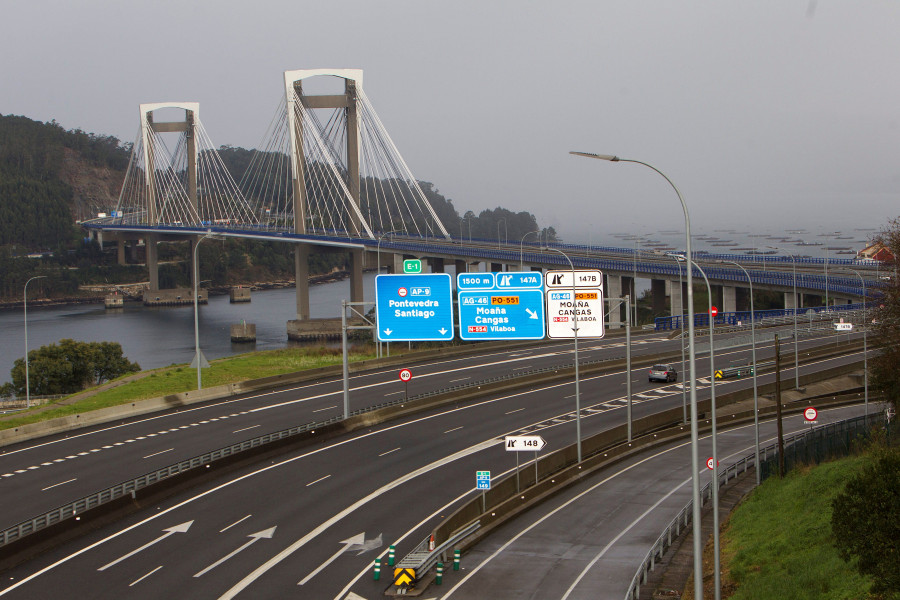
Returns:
<point x="414" y="308"/>
<point x="483" y="480"/>
<point x="501" y="306"/>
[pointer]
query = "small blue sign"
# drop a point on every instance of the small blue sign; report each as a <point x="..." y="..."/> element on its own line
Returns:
<point x="475" y="281"/>
<point x="414" y="307"/>
<point x="483" y="480"/>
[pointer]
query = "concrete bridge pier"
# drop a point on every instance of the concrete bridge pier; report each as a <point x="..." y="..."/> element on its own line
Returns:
<point x="396" y="266"/>
<point x="729" y="298"/>
<point x="742" y="298"/>
<point x="152" y="259"/>
<point x="613" y="288"/>
<point x="120" y="250"/>
<point x="676" y="297"/>
<point x="301" y="275"/>
<point x="789" y="300"/>
<point x="658" y="296"/>
<point x="357" y="261"/>
<point x="461" y="266"/>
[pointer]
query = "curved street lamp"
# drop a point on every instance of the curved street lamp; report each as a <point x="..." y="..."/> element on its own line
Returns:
<point x="865" y="340"/>
<point x="796" y="308"/>
<point x="575" y="329"/>
<point x="695" y="461"/>
<point x="198" y="356"/>
<point x="715" y="452"/>
<point x="753" y="358"/>
<point x="522" y="249"/>
<point x="25" y="307"/>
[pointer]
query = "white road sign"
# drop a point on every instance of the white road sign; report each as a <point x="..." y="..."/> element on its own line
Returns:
<point x="405" y="375"/>
<point x="562" y="309"/>
<point x="524" y="443"/>
<point x="810" y="414"/>
<point x="843" y="326"/>
<point x="583" y="279"/>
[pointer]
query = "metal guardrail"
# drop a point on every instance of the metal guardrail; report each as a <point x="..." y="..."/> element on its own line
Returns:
<point x="79" y="506"/>
<point x="421" y="559"/>
<point x="764" y="318"/>
<point x="685" y="515"/>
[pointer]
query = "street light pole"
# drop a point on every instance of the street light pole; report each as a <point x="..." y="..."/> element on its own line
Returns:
<point x="695" y="461"/>
<point x="198" y="356"/>
<point x="522" y="249"/>
<point x="25" y="307"/>
<point x="575" y="330"/>
<point x="865" y="341"/>
<point x="753" y="358"/>
<point x="505" y="230"/>
<point x="715" y="452"/>
<point x="796" y="340"/>
<point x="678" y="260"/>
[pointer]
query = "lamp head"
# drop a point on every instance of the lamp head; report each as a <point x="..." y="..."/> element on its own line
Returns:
<point x="608" y="157"/>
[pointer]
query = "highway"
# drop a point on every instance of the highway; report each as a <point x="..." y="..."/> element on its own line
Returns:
<point x="586" y="543"/>
<point x="49" y="472"/>
<point x="390" y="483"/>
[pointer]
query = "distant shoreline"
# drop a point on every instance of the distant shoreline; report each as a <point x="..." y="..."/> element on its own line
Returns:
<point x="98" y="298"/>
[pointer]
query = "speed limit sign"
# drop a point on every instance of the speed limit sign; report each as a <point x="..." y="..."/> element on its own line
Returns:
<point x="810" y="414"/>
<point x="711" y="463"/>
<point x="405" y="375"/>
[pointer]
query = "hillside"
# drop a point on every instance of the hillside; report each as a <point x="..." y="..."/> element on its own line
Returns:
<point x="52" y="178"/>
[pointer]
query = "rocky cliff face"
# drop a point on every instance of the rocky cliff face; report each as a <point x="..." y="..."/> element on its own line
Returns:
<point x="95" y="189"/>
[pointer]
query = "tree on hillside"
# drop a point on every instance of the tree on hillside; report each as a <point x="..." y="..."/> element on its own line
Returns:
<point x="70" y="367"/>
<point x="885" y="366"/>
<point x="865" y="521"/>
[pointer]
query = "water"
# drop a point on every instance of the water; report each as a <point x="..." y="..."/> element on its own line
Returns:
<point x="160" y="336"/>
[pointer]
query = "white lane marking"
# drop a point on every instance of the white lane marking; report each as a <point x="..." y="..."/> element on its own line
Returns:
<point x="136" y="581"/>
<point x="461" y="379"/>
<point x="514" y="411"/>
<point x="326" y="408"/>
<point x="235" y="523"/>
<point x="454" y="429"/>
<point x="245" y="428"/>
<point x="620" y="535"/>
<point x="259" y="571"/>
<point x="58" y="484"/>
<point x="393" y="393"/>
<point x="388" y="452"/>
<point x="160" y="452"/>
<point x="548" y="351"/>
<point x="324" y="526"/>
<point x="318" y="480"/>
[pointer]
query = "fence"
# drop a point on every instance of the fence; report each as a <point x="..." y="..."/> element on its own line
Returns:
<point x="820" y="443"/>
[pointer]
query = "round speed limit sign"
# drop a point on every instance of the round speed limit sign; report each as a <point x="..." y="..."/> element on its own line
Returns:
<point x="405" y="375"/>
<point x="810" y="414"/>
<point x="711" y="463"/>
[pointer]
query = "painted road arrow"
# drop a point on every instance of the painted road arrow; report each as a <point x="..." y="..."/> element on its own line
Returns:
<point x="356" y="541"/>
<point x="176" y="529"/>
<point x="367" y="545"/>
<point x="266" y="533"/>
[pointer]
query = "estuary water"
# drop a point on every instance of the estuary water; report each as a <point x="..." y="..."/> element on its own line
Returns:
<point x="160" y="336"/>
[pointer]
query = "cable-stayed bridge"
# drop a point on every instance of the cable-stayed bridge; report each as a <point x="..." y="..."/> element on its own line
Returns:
<point x="328" y="177"/>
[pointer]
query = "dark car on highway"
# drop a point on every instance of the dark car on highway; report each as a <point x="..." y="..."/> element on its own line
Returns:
<point x="665" y="373"/>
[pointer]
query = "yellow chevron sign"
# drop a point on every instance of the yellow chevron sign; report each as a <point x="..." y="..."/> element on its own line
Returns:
<point x="404" y="576"/>
<point x="719" y="375"/>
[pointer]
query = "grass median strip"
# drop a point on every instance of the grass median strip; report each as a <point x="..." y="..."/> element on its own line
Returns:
<point x="182" y="378"/>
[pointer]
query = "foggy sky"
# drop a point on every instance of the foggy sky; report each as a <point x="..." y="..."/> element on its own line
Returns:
<point x="768" y="115"/>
